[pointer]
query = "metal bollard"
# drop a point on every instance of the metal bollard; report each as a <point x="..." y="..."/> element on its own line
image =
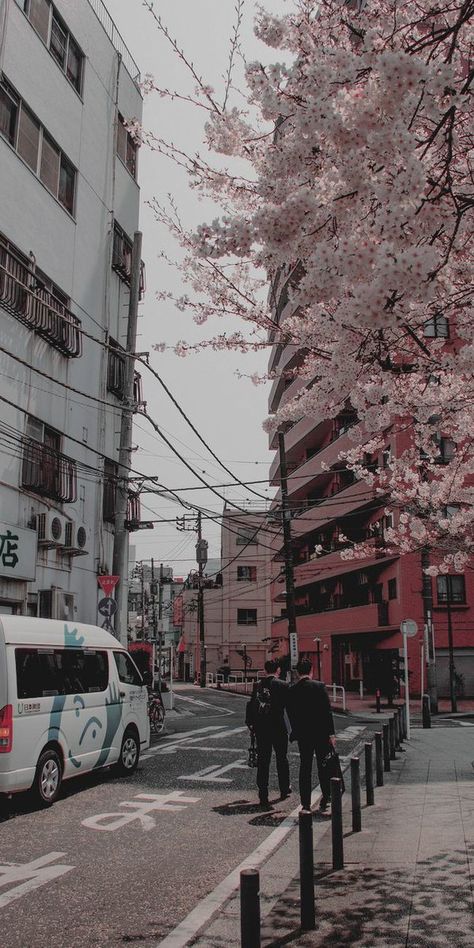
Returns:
<point x="355" y="794"/>
<point x="308" y="919"/>
<point x="386" y="748"/>
<point x="400" y="724"/>
<point x="404" y="721"/>
<point x="426" y="711"/>
<point x="369" y="775"/>
<point x="250" y="908"/>
<point x="391" y="737"/>
<point x="377" y="701"/>
<point x="396" y="724"/>
<point x="378" y="759"/>
<point x="336" y="819"/>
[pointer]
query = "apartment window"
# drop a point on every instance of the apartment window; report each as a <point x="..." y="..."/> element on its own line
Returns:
<point x="447" y="450"/>
<point x="392" y="588"/>
<point x="32" y="142"/>
<point x="8" y="113"/>
<point x="127" y="148"/>
<point x="56" y="36"/>
<point x="247" y="574"/>
<point x="122" y="253"/>
<point x="246" y="617"/>
<point x="45" y="470"/>
<point x="451" y="589"/>
<point x="116" y="369"/>
<point x="437" y="327"/>
<point x="246" y="538"/>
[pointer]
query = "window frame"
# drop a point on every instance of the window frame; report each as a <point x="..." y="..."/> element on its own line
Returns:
<point x="64" y="161"/>
<point x="128" y="660"/>
<point x="126" y="147"/>
<point x="251" y="570"/>
<point x="458" y="599"/>
<point x="438" y="322"/>
<point x="70" y="40"/>
<point x="248" y="620"/>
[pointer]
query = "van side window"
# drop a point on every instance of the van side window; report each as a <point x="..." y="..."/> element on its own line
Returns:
<point x="46" y="672"/>
<point x="127" y="670"/>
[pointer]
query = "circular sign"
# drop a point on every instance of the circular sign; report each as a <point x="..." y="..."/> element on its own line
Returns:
<point x="409" y="628"/>
<point x="107" y="607"/>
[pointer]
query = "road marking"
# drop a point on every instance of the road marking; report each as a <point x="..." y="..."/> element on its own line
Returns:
<point x="35" y="873"/>
<point x="349" y="733"/>
<point x="171" y="802"/>
<point x="219" y="732"/>
<point x="466" y="723"/>
<point x="214" y="773"/>
<point x="205" y="704"/>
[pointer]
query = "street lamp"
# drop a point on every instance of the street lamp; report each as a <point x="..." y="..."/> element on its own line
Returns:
<point x="318" y="655"/>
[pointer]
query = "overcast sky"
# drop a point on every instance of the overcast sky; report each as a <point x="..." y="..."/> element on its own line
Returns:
<point x="227" y="411"/>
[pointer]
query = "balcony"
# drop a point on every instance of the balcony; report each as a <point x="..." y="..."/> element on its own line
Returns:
<point x="49" y="473"/>
<point x="335" y="507"/>
<point x="330" y="566"/>
<point x="35" y="307"/>
<point x="347" y="620"/>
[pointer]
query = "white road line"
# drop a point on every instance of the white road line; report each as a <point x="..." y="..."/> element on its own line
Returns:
<point x="204" y="704"/>
<point x="191" y="925"/>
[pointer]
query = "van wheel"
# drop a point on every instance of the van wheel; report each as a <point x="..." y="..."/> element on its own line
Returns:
<point x="129" y="754"/>
<point x="48" y="776"/>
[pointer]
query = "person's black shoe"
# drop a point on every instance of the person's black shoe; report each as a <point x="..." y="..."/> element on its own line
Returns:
<point x="286" y="793"/>
<point x="324" y="804"/>
<point x="265" y="803"/>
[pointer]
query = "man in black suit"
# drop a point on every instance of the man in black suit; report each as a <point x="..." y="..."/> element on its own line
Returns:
<point x="265" y="718"/>
<point x="312" y="726"/>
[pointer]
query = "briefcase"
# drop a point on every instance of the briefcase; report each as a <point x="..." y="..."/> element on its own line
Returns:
<point x="253" y="756"/>
<point x="332" y="765"/>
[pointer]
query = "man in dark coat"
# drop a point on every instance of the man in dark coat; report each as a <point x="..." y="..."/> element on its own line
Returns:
<point x="312" y="726"/>
<point x="265" y="719"/>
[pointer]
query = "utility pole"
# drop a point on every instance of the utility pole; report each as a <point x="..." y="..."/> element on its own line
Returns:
<point x="427" y="593"/>
<point x="160" y="633"/>
<point x="142" y="584"/>
<point x="120" y="555"/>
<point x="287" y="547"/>
<point x="201" y="557"/>
<point x="153" y="615"/>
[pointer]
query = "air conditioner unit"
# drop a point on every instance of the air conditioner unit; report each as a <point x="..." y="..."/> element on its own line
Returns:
<point x="51" y="529"/>
<point x="62" y="605"/>
<point x="75" y="542"/>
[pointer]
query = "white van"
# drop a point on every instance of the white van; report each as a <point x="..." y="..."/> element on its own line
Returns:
<point x="71" y="700"/>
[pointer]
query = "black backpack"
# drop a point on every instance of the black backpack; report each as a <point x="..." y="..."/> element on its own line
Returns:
<point x="263" y="700"/>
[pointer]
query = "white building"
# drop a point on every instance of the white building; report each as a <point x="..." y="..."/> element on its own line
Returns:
<point x="69" y="202"/>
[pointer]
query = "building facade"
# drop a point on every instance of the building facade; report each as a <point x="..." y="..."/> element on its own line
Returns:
<point x="349" y="610"/>
<point x="69" y="204"/>
<point x="237" y="601"/>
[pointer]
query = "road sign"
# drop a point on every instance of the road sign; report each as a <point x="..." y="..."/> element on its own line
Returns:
<point x="108" y="583"/>
<point x="409" y="628"/>
<point x="107" y="607"/>
<point x="293" y="649"/>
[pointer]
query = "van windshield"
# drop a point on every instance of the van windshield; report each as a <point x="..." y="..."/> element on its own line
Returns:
<point x="43" y="672"/>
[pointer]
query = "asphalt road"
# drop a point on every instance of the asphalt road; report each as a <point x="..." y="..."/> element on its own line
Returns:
<point x="122" y="861"/>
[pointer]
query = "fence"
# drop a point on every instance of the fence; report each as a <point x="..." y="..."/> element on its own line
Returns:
<point x="338" y="692"/>
<point x="116" y="38"/>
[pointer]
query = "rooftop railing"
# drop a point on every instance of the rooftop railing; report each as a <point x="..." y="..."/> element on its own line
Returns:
<point x="116" y="38"/>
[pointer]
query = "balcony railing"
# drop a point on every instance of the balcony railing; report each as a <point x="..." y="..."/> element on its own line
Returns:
<point x="116" y="39"/>
<point x="49" y="473"/>
<point x="36" y="307"/>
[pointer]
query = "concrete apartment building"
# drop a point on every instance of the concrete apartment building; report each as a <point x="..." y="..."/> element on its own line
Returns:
<point x="237" y="600"/>
<point x="69" y="202"/>
<point x="354" y="607"/>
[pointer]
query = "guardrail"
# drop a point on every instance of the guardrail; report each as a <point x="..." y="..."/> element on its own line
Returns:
<point x="338" y="692"/>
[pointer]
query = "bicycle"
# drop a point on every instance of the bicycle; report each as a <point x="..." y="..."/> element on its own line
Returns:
<point x="156" y="712"/>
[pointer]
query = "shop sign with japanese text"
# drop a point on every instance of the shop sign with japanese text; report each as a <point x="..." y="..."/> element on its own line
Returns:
<point x="17" y="552"/>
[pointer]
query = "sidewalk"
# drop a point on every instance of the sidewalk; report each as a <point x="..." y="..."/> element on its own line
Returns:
<point x="409" y="875"/>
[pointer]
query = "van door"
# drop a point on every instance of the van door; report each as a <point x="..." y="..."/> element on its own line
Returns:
<point x="134" y="695"/>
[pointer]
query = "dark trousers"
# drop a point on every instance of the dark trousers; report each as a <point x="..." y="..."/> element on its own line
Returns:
<point x="308" y="749"/>
<point x="267" y="741"/>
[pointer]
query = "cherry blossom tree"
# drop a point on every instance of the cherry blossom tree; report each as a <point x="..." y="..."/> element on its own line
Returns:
<point x="344" y="183"/>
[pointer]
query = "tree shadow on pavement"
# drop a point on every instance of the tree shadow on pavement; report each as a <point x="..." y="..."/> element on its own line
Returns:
<point x="381" y="907"/>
